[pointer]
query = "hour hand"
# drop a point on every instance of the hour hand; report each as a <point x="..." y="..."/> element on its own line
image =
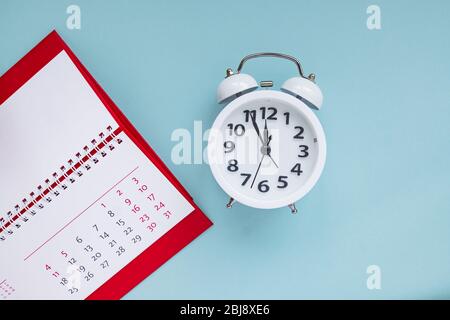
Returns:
<point x="266" y="134"/>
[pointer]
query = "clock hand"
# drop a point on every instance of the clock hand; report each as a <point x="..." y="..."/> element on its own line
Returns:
<point x="269" y="150"/>
<point x="266" y="134"/>
<point x="255" y="125"/>
<point x="268" y="138"/>
<point x="257" y="170"/>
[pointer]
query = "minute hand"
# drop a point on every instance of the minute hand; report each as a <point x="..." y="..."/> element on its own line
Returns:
<point x="255" y="125"/>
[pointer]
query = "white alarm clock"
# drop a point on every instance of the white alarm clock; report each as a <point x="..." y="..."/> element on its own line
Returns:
<point x="266" y="148"/>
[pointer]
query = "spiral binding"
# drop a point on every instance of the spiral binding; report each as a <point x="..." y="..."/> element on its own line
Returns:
<point x="59" y="181"/>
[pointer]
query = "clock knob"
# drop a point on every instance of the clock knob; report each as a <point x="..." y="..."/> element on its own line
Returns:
<point x="305" y="90"/>
<point x="235" y="85"/>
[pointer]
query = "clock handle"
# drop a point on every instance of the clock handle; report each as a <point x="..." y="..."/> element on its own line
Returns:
<point x="275" y="55"/>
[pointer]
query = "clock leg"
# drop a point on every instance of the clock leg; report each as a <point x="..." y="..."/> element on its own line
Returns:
<point x="230" y="203"/>
<point x="293" y="208"/>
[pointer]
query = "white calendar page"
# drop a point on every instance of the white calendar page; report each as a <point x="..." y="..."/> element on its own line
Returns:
<point x="78" y="199"/>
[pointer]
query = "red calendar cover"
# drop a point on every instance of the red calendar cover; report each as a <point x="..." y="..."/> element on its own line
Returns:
<point x="87" y="208"/>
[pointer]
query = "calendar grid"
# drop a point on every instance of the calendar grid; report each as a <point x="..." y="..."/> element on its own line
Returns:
<point x="81" y="213"/>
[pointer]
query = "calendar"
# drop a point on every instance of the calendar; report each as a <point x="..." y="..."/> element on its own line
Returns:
<point x="87" y="209"/>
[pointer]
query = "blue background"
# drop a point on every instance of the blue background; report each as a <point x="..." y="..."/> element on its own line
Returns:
<point x="384" y="196"/>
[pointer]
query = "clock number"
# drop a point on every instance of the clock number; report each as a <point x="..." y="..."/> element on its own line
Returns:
<point x="263" y="186"/>
<point x="282" y="182"/>
<point x="287" y="115"/>
<point x="233" y="165"/>
<point x="263" y="112"/>
<point x="272" y="115"/>
<point x="238" y="130"/>
<point x="249" y="114"/>
<point x="229" y="146"/>
<point x="297" y="169"/>
<point x="300" y="132"/>
<point x="247" y="177"/>
<point x="270" y="109"/>
<point x="304" y="151"/>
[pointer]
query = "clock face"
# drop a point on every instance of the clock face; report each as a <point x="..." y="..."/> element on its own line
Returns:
<point x="266" y="149"/>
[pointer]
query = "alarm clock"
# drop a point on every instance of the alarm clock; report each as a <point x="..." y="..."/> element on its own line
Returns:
<point x="267" y="148"/>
